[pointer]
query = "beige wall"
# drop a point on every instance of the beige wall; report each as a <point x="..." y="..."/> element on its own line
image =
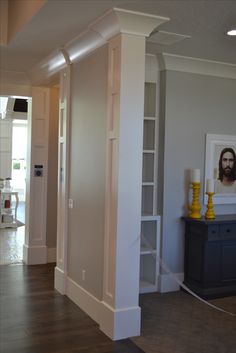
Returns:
<point x="87" y="172"/>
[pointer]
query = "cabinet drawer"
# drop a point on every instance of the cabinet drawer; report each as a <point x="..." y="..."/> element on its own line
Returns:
<point x="228" y="231"/>
<point x="213" y="232"/>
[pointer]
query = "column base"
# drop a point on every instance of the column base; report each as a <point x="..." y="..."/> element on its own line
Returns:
<point x="60" y="280"/>
<point x="34" y="255"/>
<point x="121" y="323"/>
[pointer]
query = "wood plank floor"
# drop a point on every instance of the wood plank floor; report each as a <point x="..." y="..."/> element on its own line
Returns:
<point x="34" y="318"/>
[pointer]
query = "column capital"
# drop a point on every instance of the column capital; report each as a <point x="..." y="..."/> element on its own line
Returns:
<point x="118" y="20"/>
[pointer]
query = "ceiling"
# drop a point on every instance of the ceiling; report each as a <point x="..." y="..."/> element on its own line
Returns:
<point x="59" y="21"/>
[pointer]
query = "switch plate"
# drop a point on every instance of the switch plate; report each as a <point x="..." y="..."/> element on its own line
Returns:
<point x="71" y="203"/>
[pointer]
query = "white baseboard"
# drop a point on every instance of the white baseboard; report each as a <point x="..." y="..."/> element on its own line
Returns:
<point x="166" y="282"/>
<point x="51" y="255"/>
<point x="34" y="255"/>
<point x="116" y="324"/>
<point x="85" y="300"/>
<point x="121" y="323"/>
<point x="60" y="280"/>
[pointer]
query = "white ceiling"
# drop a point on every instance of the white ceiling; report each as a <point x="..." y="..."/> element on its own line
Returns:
<point x="59" y="21"/>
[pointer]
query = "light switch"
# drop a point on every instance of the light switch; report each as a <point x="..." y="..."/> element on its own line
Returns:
<point x="71" y="203"/>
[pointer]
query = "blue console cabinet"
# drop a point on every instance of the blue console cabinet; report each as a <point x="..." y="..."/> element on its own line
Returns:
<point x="210" y="256"/>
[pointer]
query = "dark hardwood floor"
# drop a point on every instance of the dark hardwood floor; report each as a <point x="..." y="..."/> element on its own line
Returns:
<point x="34" y="318"/>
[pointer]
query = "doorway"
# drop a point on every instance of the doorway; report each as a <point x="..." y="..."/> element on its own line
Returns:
<point x="39" y="238"/>
<point x="13" y="162"/>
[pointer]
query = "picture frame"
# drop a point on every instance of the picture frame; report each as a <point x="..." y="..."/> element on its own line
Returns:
<point x="214" y="146"/>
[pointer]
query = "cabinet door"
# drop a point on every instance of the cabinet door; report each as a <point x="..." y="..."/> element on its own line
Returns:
<point x="212" y="266"/>
<point x="193" y="257"/>
<point x="229" y="262"/>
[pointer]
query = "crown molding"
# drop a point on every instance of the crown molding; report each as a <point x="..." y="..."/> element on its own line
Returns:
<point x="82" y="45"/>
<point x="111" y="23"/>
<point x="173" y="62"/>
<point x="118" y="20"/>
<point x="45" y="71"/>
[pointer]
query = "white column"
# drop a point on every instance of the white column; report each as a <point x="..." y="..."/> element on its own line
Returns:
<point x="34" y="249"/>
<point x="62" y="201"/>
<point x="125" y="32"/>
<point x="120" y="310"/>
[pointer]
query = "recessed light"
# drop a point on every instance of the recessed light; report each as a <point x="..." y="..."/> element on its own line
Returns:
<point x="231" y="32"/>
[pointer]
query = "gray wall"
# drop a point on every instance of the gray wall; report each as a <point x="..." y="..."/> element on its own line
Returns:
<point x="192" y="106"/>
<point x="87" y="171"/>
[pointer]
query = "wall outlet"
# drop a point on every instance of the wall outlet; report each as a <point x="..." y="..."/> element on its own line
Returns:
<point x="83" y="275"/>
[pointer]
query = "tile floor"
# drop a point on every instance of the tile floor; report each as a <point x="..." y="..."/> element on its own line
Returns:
<point x="12" y="240"/>
<point x="11" y="245"/>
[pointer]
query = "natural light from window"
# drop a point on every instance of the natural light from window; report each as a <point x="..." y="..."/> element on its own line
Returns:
<point x="19" y="152"/>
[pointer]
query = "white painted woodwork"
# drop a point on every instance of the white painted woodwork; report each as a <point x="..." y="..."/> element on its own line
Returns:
<point x="97" y="33"/>
<point x="150" y="221"/>
<point x="121" y="312"/>
<point x="119" y="20"/>
<point x="5" y="148"/>
<point x="195" y="65"/>
<point x="63" y="160"/>
<point x="35" y="250"/>
<point x="149" y="254"/>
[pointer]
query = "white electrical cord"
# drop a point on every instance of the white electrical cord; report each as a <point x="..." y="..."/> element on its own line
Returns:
<point x="175" y="278"/>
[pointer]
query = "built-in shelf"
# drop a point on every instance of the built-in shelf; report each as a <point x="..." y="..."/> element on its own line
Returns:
<point x="150" y="221"/>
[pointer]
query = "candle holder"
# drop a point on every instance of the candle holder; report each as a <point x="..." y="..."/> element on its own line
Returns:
<point x="195" y="207"/>
<point x="210" y="214"/>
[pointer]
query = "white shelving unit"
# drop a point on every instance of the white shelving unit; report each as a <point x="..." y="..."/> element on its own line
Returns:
<point x="150" y="221"/>
<point x="8" y="215"/>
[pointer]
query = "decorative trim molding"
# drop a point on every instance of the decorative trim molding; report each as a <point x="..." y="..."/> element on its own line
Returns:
<point x="116" y="324"/>
<point x="46" y="70"/>
<point x="60" y="280"/>
<point x="120" y="323"/>
<point x="167" y="283"/>
<point x="85" y="300"/>
<point x="63" y="162"/>
<point x="195" y="65"/>
<point x="34" y="255"/>
<point x="118" y="20"/>
<point x="110" y="24"/>
<point x="51" y="255"/>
